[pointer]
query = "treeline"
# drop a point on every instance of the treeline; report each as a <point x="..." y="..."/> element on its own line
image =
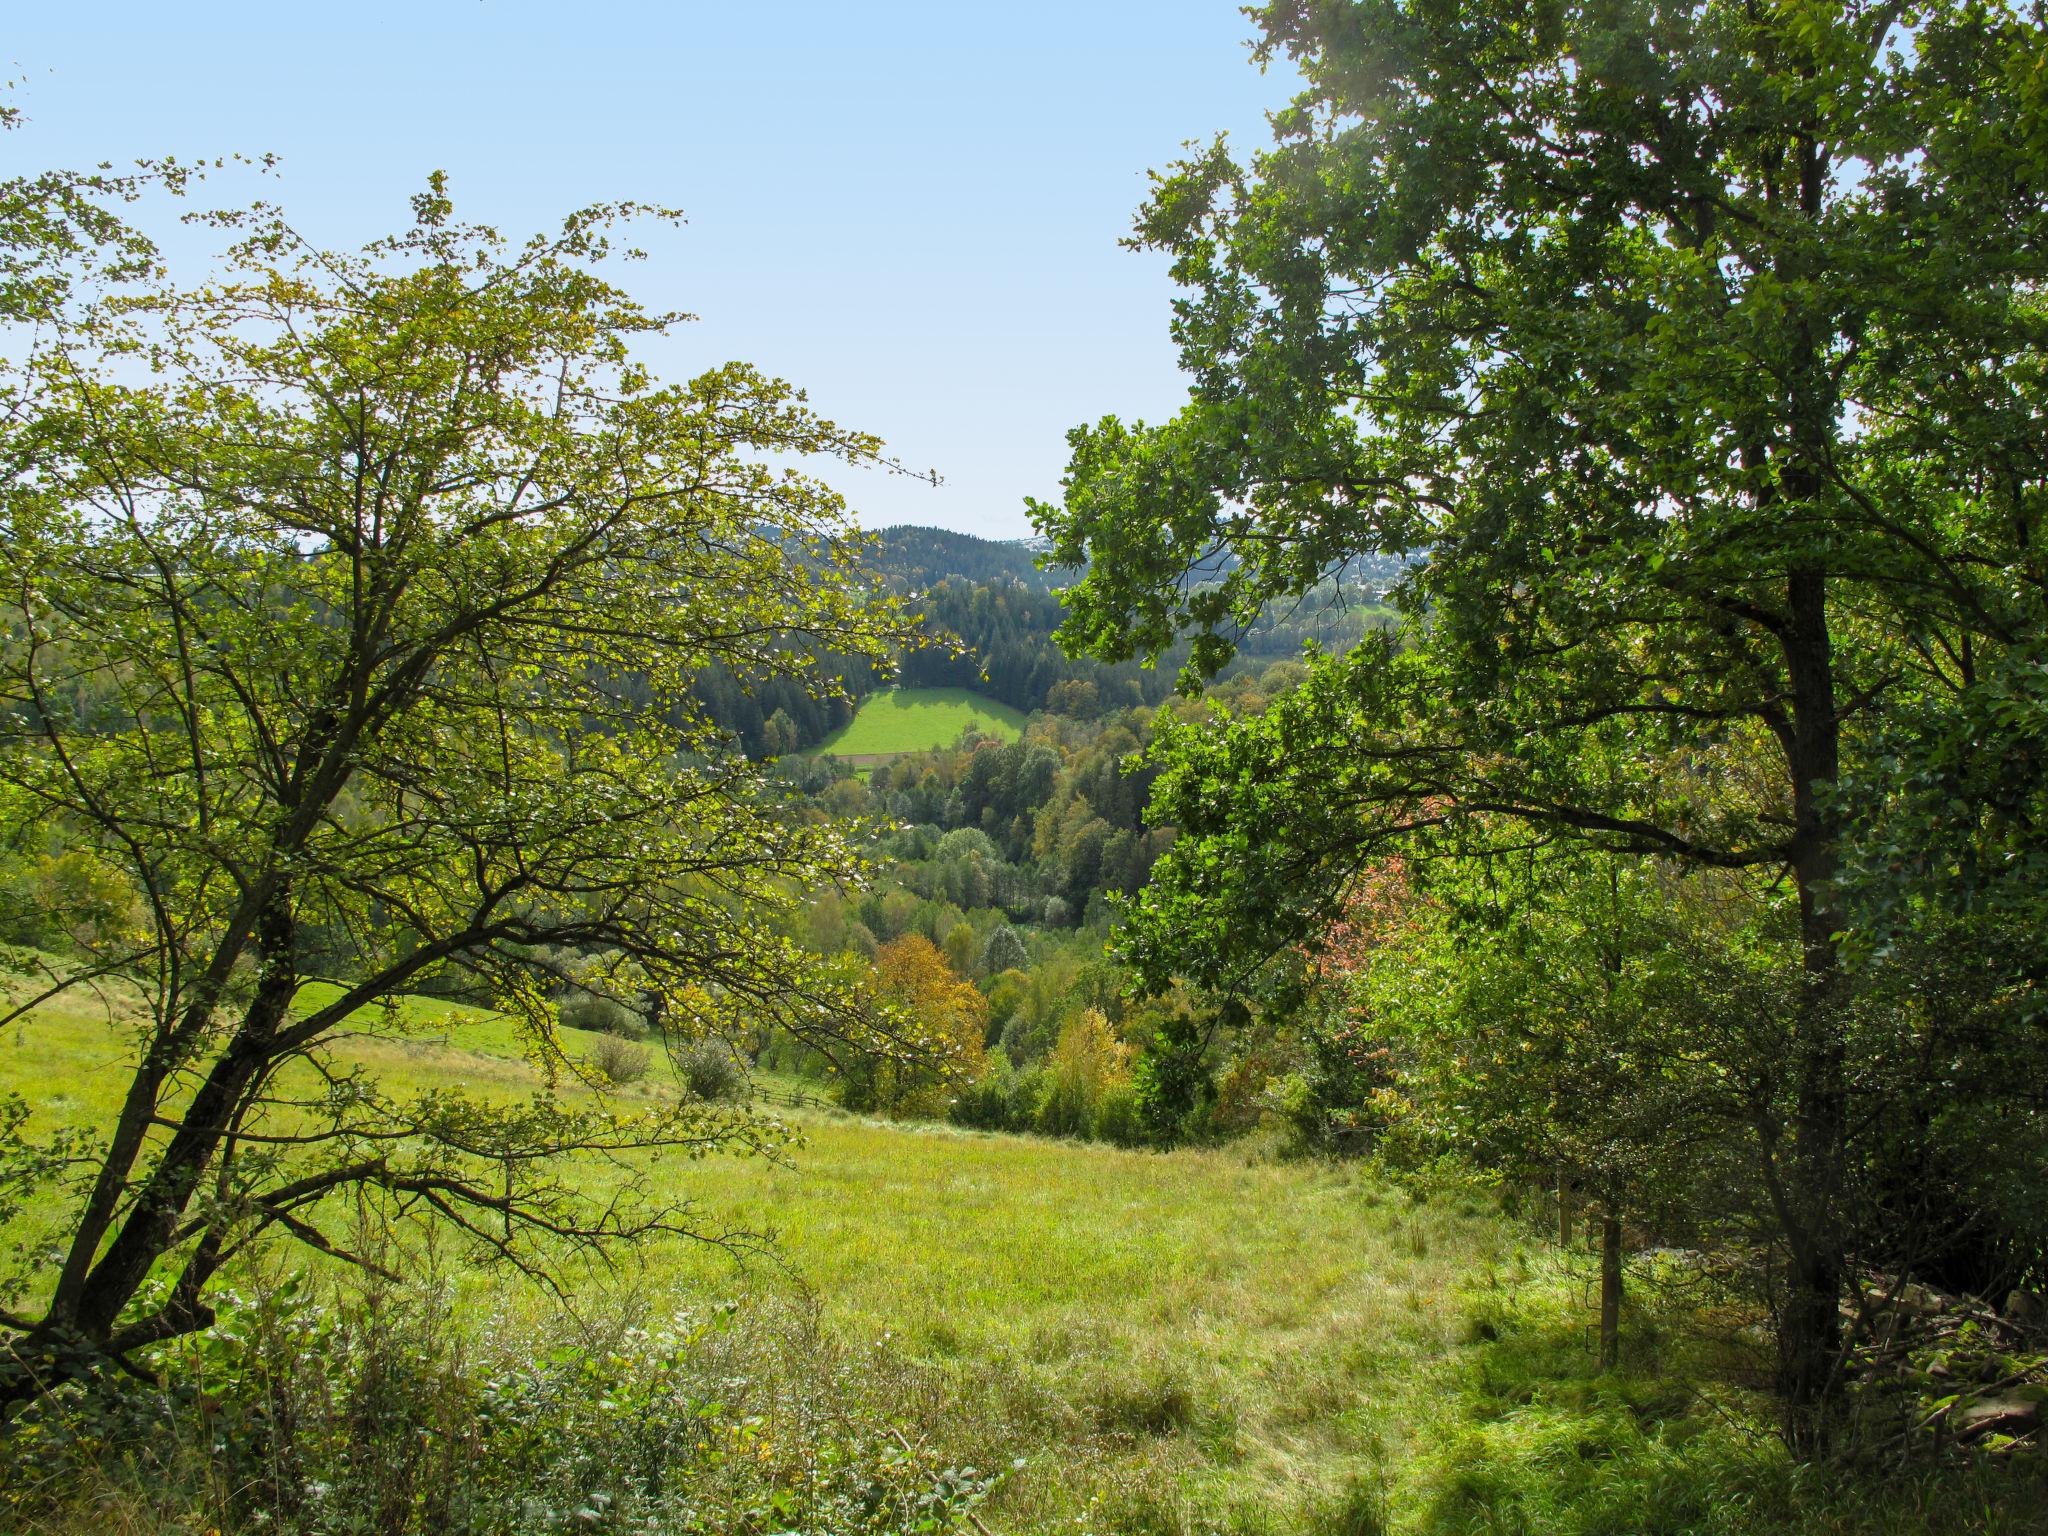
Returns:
<point x="780" y="715"/>
<point x="1004" y="612"/>
<point x="1012" y="654"/>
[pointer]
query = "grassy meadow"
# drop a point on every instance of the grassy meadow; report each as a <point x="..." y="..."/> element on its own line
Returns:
<point x="1180" y="1342"/>
<point x="898" y="720"/>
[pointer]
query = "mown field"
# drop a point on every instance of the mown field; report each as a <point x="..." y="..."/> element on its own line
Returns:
<point x="1195" y="1341"/>
<point x="899" y="720"/>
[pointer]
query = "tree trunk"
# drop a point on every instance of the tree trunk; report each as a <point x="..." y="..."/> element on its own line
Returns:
<point x="162" y="1201"/>
<point x="1809" y="1340"/>
<point x="1610" y="1288"/>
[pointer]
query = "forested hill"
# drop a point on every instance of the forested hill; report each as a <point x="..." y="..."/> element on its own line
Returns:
<point x="989" y="594"/>
<point x="918" y="558"/>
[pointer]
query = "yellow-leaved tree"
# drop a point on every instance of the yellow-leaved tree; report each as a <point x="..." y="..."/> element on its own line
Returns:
<point x="946" y="1014"/>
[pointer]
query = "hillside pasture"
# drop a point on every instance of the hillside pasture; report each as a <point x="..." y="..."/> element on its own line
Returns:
<point x="899" y="720"/>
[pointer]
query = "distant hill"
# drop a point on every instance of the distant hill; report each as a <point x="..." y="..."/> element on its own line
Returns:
<point x="921" y="558"/>
<point x="992" y="595"/>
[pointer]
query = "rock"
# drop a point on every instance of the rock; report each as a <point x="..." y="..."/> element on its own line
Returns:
<point x="2025" y="1308"/>
<point x="1915" y="1297"/>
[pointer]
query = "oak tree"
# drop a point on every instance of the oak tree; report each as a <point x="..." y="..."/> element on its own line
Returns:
<point x="1691" y="352"/>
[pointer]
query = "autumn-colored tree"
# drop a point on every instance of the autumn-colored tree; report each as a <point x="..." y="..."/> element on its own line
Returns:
<point x="943" y="1009"/>
<point x="1087" y="1062"/>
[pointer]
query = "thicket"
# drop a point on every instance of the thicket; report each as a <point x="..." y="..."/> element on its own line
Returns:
<point x="320" y="1412"/>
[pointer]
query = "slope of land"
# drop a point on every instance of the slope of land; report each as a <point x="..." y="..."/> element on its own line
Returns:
<point x="899" y="720"/>
<point x="1197" y="1340"/>
<point x="918" y="557"/>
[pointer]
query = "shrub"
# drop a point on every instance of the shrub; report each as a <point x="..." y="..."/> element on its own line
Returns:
<point x="1028" y="1090"/>
<point x="1116" y="1117"/>
<point x="985" y="1103"/>
<point x="710" y="1071"/>
<point x="1171" y="1080"/>
<point x="602" y="1015"/>
<point x="379" y="1414"/>
<point x="618" y="1061"/>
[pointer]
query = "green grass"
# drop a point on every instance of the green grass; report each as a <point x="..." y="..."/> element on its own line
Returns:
<point x="1197" y="1341"/>
<point x="900" y="720"/>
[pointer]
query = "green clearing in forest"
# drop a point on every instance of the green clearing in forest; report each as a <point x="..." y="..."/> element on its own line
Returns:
<point x="899" y="720"/>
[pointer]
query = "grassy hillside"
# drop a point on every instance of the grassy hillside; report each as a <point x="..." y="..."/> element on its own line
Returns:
<point x="1194" y="1341"/>
<point x="917" y="720"/>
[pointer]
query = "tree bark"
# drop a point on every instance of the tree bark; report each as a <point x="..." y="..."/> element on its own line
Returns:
<point x="1809" y="1340"/>
<point x="167" y="1193"/>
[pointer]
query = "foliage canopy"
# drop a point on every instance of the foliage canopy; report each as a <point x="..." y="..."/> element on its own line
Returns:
<point x="1693" y="354"/>
<point x="349" y="610"/>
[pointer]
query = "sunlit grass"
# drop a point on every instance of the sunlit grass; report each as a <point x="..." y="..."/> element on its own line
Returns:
<point x="1200" y="1340"/>
<point x="919" y="720"/>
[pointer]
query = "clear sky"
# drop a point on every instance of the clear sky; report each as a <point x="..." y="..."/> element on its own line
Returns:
<point x="910" y="209"/>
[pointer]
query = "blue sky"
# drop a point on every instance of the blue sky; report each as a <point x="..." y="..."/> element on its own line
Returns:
<point x="912" y="210"/>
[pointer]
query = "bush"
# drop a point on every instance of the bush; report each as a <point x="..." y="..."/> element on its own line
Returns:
<point x="984" y="1104"/>
<point x="1117" y="1119"/>
<point x="1171" y="1080"/>
<point x="1028" y="1091"/>
<point x="602" y="1015"/>
<point x="618" y="1061"/>
<point x="710" y="1071"/>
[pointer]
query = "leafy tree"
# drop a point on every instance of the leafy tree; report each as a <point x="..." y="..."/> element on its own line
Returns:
<point x="961" y="947"/>
<point x="1171" y="1081"/>
<point x="350" y="608"/>
<point x="1086" y="1064"/>
<point x="1578" y="1019"/>
<point x="912" y="979"/>
<point x="1694" y="351"/>
<point x="779" y="735"/>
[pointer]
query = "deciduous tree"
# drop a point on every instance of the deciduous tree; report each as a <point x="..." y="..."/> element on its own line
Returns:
<point x="912" y="980"/>
<point x="349" y="610"/>
<point x="1693" y="353"/>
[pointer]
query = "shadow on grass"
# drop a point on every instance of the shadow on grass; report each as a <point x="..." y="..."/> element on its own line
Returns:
<point x="1533" y="1442"/>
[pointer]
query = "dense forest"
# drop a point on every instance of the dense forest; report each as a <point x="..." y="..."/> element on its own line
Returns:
<point x="916" y="559"/>
<point x="997" y="636"/>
